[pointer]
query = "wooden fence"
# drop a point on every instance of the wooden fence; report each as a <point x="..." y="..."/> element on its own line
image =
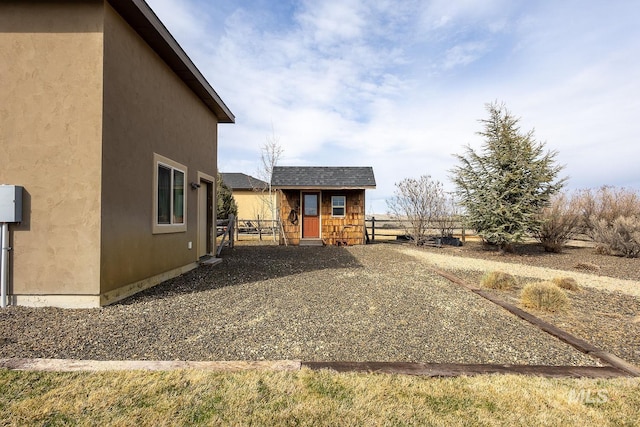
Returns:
<point x="262" y="229"/>
<point x="378" y="230"/>
<point x="225" y="228"/>
<point x="391" y="229"/>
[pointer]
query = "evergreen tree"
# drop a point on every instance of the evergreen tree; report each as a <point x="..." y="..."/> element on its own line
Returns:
<point x="504" y="187"/>
<point x="225" y="202"/>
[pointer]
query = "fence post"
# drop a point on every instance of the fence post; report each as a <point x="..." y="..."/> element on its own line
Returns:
<point x="373" y="228"/>
<point x="463" y="234"/>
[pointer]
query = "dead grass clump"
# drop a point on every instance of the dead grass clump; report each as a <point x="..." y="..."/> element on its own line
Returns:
<point x="588" y="266"/>
<point x="544" y="296"/>
<point x="498" y="280"/>
<point x="568" y="283"/>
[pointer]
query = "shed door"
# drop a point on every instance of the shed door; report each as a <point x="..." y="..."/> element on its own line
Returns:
<point x="310" y="216"/>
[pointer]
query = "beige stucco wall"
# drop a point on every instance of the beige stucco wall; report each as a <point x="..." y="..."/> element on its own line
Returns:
<point x="253" y="203"/>
<point x="50" y="136"/>
<point x="147" y="109"/>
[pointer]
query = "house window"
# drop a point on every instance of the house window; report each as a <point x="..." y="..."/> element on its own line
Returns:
<point x="338" y="204"/>
<point x="169" y="196"/>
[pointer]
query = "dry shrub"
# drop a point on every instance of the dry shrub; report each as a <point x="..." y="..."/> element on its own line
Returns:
<point x="568" y="283"/>
<point x="498" y="280"/>
<point x="544" y="296"/>
<point x="560" y="222"/>
<point x="622" y="237"/>
<point x="608" y="203"/>
<point x="611" y="217"/>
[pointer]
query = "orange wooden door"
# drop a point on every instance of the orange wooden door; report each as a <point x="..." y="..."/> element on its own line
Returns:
<point x="310" y="216"/>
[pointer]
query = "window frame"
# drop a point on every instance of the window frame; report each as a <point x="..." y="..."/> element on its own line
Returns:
<point x="343" y="207"/>
<point x="173" y="226"/>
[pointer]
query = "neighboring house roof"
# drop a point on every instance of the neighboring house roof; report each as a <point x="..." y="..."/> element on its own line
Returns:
<point x="241" y="181"/>
<point x="145" y="22"/>
<point x="323" y="177"/>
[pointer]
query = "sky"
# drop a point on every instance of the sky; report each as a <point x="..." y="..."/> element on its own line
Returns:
<point x="401" y="85"/>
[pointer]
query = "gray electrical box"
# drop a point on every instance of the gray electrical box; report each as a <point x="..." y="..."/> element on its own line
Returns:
<point x="10" y="203"/>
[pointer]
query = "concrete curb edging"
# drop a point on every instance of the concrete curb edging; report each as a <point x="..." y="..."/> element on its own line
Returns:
<point x="75" y="365"/>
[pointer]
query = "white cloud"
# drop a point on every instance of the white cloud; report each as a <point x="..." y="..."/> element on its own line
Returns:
<point x="463" y="54"/>
<point x="401" y="86"/>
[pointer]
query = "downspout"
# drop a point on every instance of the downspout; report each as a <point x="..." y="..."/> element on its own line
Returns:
<point x="4" y="264"/>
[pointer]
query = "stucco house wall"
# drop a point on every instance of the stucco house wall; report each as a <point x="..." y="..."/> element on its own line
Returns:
<point x="251" y="196"/>
<point x="89" y="104"/>
<point x="253" y="203"/>
<point x="50" y="138"/>
<point x="147" y="109"/>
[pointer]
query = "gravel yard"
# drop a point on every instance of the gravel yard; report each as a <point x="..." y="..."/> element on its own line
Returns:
<point x="364" y="303"/>
<point x="605" y="312"/>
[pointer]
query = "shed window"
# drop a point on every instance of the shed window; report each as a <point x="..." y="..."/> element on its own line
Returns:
<point x="338" y="204"/>
<point x="170" y="197"/>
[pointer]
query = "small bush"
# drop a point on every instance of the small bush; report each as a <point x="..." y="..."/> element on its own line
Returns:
<point x="611" y="217"/>
<point x="622" y="237"/>
<point x="607" y="203"/>
<point x="544" y="296"/>
<point x="559" y="223"/>
<point x="568" y="283"/>
<point x="498" y="280"/>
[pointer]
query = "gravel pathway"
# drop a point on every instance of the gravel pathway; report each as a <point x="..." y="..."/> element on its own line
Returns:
<point x="446" y="262"/>
<point x="364" y="303"/>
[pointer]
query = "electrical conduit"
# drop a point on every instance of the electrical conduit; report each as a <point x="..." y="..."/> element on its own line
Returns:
<point x="4" y="264"/>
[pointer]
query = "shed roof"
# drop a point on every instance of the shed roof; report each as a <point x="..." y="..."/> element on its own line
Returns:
<point x="145" y="22"/>
<point x="241" y="181"/>
<point x="323" y="177"/>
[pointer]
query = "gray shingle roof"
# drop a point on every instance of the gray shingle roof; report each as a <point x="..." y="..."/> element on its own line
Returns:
<point x="323" y="177"/>
<point x="241" y="181"/>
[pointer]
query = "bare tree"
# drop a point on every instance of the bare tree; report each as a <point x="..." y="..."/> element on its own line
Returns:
<point x="418" y="204"/>
<point x="450" y="218"/>
<point x="270" y="154"/>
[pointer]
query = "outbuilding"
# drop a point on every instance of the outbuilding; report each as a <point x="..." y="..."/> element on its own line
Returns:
<point x="322" y="205"/>
<point x="251" y="195"/>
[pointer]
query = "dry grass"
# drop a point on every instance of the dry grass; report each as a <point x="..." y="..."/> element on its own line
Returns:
<point x="544" y="296"/>
<point x="588" y="266"/>
<point x="498" y="280"/>
<point x="568" y="283"/>
<point x="310" y="398"/>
